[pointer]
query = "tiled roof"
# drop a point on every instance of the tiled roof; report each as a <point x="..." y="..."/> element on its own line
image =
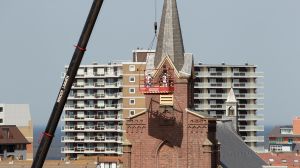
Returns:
<point x="234" y="152"/>
<point x="10" y="134"/>
<point x="281" y="159"/>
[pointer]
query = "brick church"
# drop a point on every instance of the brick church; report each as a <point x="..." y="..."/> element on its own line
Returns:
<point x="169" y="133"/>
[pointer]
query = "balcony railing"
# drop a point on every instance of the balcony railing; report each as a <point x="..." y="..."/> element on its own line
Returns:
<point x="98" y="85"/>
<point x="227" y="85"/>
<point x="223" y="106"/>
<point x="253" y="138"/>
<point x="251" y="106"/>
<point x="97" y="74"/>
<point x="224" y="96"/>
<point x="94" y="107"/>
<point x="251" y="128"/>
<point x="105" y="139"/>
<point x="249" y="117"/>
<point x="104" y="150"/>
<point x="96" y="96"/>
<point x="93" y="117"/>
<point x="226" y="74"/>
<point x="101" y="128"/>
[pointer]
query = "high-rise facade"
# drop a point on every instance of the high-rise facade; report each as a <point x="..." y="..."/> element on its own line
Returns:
<point x="211" y="88"/>
<point x="93" y="113"/>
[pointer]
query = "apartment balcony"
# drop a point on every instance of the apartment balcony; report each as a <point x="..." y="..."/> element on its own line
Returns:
<point x="95" y="96"/>
<point x="92" y="139"/>
<point x="82" y="128"/>
<point x="251" y="106"/>
<point x="281" y="142"/>
<point x="250" y="117"/>
<point x="210" y="96"/>
<point x="227" y="74"/>
<point x="225" y="95"/>
<point x="238" y="74"/>
<point x="118" y="117"/>
<point x="242" y="85"/>
<point x="253" y="138"/>
<point x="211" y="85"/>
<point x="97" y="85"/>
<point x="223" y="106"/>
<point x="210" y="107"/>
<point x="249" y="96"/>
<point x="224" y="85"/>
<point x="94" y="107"/>
<point x="215" y="74"/>
<point x="100" y="75"/>
<point x="251" y="128"/>
<point x="92" y="150"/>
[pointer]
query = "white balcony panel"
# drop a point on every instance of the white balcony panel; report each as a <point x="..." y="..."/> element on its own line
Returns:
<point x="251" y="128"/>
<point x="251" y="117"/>
<point x="253" y="138"/>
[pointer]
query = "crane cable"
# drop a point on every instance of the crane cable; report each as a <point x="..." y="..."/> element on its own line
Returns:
<point x="155" y="26"/>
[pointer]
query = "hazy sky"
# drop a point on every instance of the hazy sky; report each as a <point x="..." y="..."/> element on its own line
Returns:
<point x="37" y="37"/>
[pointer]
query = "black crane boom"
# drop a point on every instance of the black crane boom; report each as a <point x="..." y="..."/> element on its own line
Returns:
<point x="66" y="86"/>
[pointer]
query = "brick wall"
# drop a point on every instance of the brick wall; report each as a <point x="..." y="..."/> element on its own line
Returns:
<point x="171" y="136"/>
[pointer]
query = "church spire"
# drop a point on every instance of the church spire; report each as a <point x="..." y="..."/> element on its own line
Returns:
<point x="169" y="42"/>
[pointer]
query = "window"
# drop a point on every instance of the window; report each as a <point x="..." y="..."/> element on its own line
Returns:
<point x="132" y="101"/>
<point x="283" y="160"/>
<point x="1" y="120"/>
<point x="131" y="79"/>
<point x="1" y="109"/>
<point x="131" y="90"/>
<point x="11" y="148"/>
<point x="131" y="68"/>
<point x="131" y="112"/>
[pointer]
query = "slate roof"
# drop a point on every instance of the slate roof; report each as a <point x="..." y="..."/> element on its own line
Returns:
<point x="234" y="152"/>
<point x="10" y="134"/>
<point x="169" y="41"/>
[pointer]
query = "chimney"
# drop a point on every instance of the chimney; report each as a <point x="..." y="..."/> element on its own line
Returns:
<point x="296" y="126"/>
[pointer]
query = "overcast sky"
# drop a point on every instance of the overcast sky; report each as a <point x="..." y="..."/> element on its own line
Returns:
<point x="37" y="37"/>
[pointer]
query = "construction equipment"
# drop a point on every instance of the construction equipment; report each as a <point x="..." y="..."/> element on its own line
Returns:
<point x="69" y="78"/>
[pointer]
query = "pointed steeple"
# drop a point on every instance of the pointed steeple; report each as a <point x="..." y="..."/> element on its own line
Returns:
<point x="231" y="97"/>
<point x="169" y="42"/>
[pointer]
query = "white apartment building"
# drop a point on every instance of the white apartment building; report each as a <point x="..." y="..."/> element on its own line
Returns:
<point x="211" y="88"/>
<point x="93" y="112"/>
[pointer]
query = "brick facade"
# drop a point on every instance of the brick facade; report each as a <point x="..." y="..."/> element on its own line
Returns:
<point x="164" y="136"/>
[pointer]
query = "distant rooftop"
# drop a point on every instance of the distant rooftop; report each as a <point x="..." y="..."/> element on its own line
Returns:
<point x="277" y="134"/>
<point x="10" y="134"/>
<point x="281" y="159"/>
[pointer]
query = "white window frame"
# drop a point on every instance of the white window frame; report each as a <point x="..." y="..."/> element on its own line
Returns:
<point x="131" y="68"/>
<point x="131" y="90"/>
<point x="132" y="77"/>
<point x="131" y="103"/>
